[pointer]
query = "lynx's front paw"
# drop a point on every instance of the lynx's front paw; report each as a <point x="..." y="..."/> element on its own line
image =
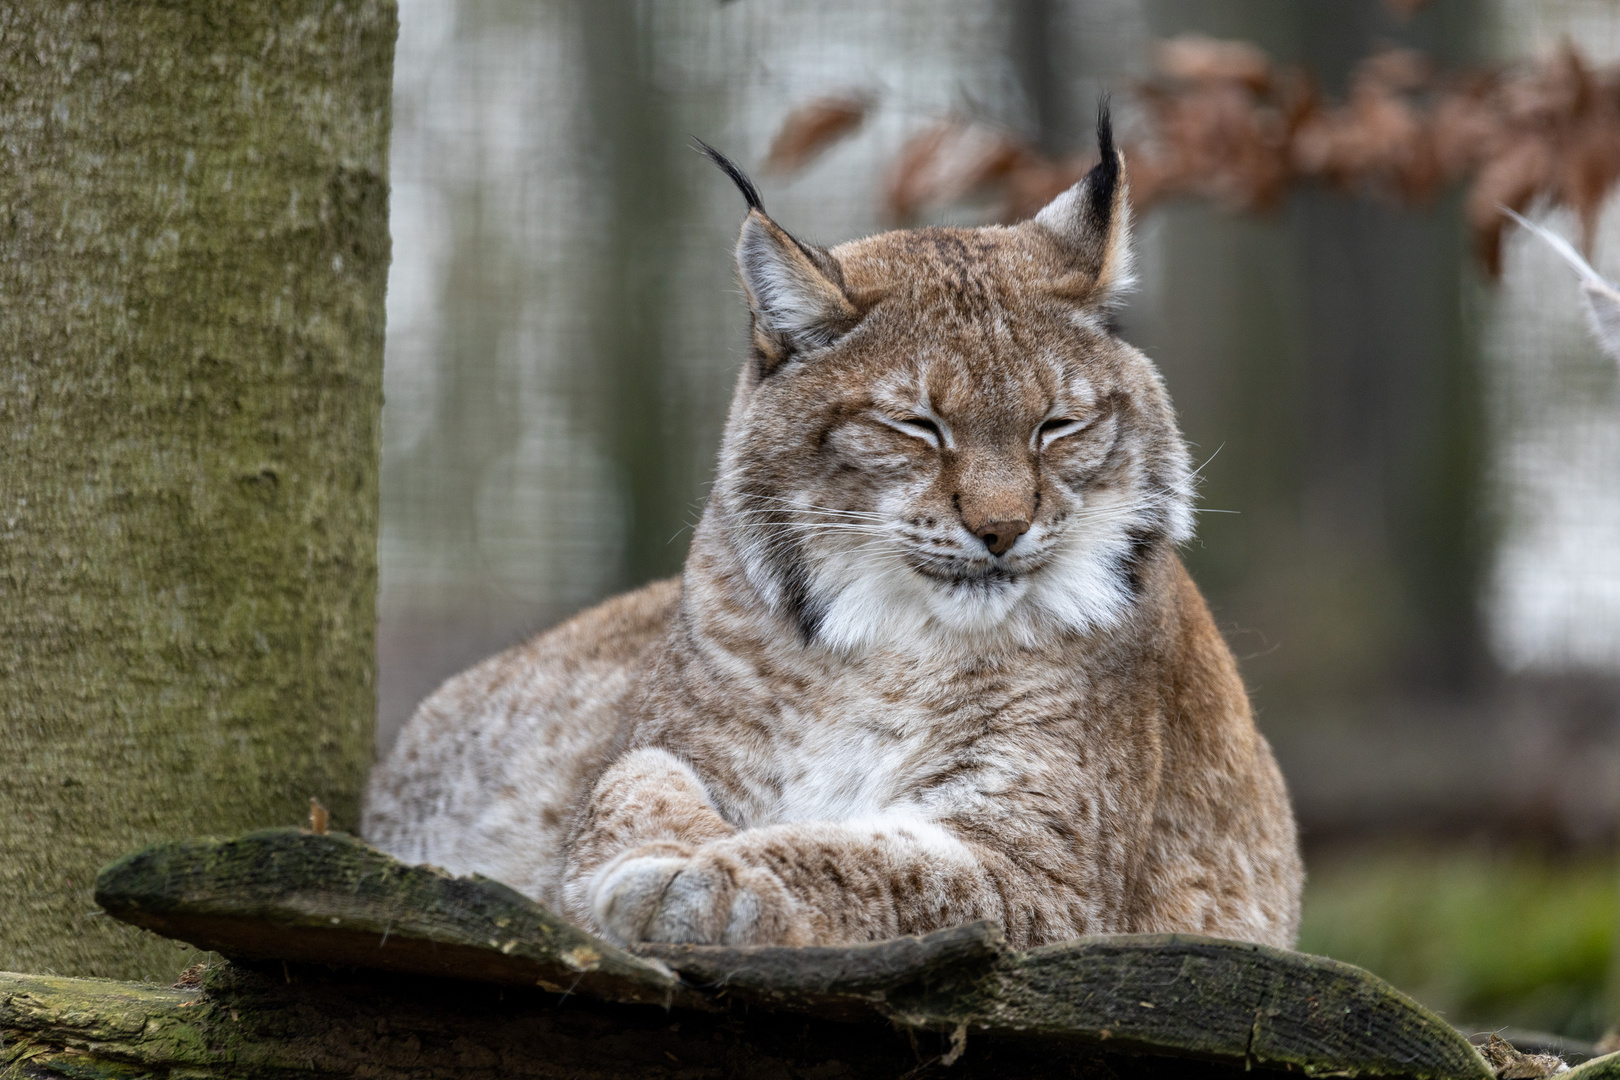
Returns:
<point x="657" y="893"/>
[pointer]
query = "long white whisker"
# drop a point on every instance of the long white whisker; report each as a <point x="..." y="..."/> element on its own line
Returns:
<point x="791" y="505"/>
<point x="776" y="519"/>
<point x="813" y="524"/>
<point x="1207" y="460"/>
<point x="829" y="511"/>
<point x="813" y="528"/>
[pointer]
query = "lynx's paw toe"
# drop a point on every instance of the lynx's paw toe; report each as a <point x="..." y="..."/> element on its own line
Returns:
<point x="696" y="906"/>
<point x="627" y="892"/>
<point x="707" y="899"/>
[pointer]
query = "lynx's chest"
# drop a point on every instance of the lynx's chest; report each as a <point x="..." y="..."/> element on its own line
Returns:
<point x="853" y="763"/>
<point x="867" y="746"/>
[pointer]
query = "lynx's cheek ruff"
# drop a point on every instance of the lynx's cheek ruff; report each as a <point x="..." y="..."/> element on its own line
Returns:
<point x="1075" y="581"/>
<point x="933" y="657"/>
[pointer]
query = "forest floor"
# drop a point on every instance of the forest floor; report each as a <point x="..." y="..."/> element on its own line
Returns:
<point x="1488" y="937"/>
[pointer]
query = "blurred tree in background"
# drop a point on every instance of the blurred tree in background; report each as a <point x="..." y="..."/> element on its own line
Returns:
<point x="1324" y="352"/>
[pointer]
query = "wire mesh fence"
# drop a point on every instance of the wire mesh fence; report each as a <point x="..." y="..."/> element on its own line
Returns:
<point x="1412" y="468"/>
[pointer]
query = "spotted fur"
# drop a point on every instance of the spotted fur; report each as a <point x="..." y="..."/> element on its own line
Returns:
<point x="933" y="657"/>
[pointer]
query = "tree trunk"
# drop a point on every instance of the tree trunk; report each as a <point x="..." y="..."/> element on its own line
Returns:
<point x="193" y="255"/>
<point x="640" y="415"/>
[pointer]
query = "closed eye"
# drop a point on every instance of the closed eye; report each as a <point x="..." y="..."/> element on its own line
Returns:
<point x="1056" y="428"/>
<point x="925" y="428"/>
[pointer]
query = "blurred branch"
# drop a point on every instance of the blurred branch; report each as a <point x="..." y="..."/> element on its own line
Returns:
<point x="812" y="129"/>
<point x="1223" y="121"/>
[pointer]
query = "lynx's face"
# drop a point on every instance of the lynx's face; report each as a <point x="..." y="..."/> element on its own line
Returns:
<point x="939" y="439"/>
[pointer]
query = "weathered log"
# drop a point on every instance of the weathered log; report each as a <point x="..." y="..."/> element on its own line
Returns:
<point x="276" y="1024"/>
<point x="281" y="894"/>
<point x="288" y="895"/>
<point x="248" y="1024"/>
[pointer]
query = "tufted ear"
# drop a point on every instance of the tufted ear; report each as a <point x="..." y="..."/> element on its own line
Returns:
<point x="795" y="291"/>
<point x="1092" y="223"/>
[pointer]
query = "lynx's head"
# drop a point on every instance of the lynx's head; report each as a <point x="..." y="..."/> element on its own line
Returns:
<point x="939" y="436"/>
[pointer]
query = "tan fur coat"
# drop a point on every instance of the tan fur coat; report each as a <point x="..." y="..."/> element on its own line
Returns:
<point x="933" y="657"/>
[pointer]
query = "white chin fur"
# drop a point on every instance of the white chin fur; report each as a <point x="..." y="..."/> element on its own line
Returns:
<point x="873" y="599"/>
<point x="877" y="600"/>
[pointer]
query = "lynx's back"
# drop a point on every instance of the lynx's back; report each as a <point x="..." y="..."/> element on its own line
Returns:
<point x="933" y="656"/>
<point x="485" y="776"/>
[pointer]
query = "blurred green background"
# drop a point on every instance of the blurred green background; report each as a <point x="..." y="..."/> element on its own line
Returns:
<point x="1493" y="939"/>
<point x="1420" y="564"/>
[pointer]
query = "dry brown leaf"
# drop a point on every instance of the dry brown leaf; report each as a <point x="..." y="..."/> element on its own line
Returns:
<point x="319" y="817"/>
<point x="950" y="160"/>
<point x="1195" y="58"/>
<point x="1393" y="70"/>
<point x="914" y="177"/>
<point x="1509" y="180"/>
<point x="1509" y="1063"/>
<point x="191" y="978"/>
<point x="1036" y="182"/>
<point x="812" y="129"/>
<point x="1465" y="123"/>
<point x="1557" y="137"/>
<point x="1225" y="123"/>
<point x="1405" y="9"/>
<point x="1216" y="140"/>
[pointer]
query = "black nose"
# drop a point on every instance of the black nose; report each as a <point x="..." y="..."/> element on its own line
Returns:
<point x="998" y="536"/>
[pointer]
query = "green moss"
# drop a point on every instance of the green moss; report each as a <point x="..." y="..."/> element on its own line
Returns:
<point x="193" y="255"/>
<point x="1603" y="1068"/>
<point x="285" y="894"/>
<point x="1490" y="940"/>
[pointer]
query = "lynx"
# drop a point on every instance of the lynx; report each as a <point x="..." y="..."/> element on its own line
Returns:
<point x="933" y="656"/>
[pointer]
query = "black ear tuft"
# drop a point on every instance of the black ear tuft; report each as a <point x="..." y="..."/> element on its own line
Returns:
<point x="1091" y="223"/>
<point x="1103" y="178"/>
<point x="738" y="177"/>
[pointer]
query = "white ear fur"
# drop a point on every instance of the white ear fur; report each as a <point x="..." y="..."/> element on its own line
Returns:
<point x="1092" y="222"/>
<point x="1106" y="254"/>
<point x="794" y="300"/>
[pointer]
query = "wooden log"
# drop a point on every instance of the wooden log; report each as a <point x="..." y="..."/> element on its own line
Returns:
<point x="290" y="895"/>
<point x="278" y="1024"/>
<point x="251" y="1022"/>
<point x="1205" y="997"/>
<point x="283" y="894"/>
<point x="1606" y="1067"/>
<point x="874" y="980"/>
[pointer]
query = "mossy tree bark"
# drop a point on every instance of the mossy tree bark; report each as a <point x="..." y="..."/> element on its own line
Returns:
<point x="193" y="256"/>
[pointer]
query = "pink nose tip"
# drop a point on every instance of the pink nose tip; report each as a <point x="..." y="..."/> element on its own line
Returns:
<point x="998" y="536"/>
